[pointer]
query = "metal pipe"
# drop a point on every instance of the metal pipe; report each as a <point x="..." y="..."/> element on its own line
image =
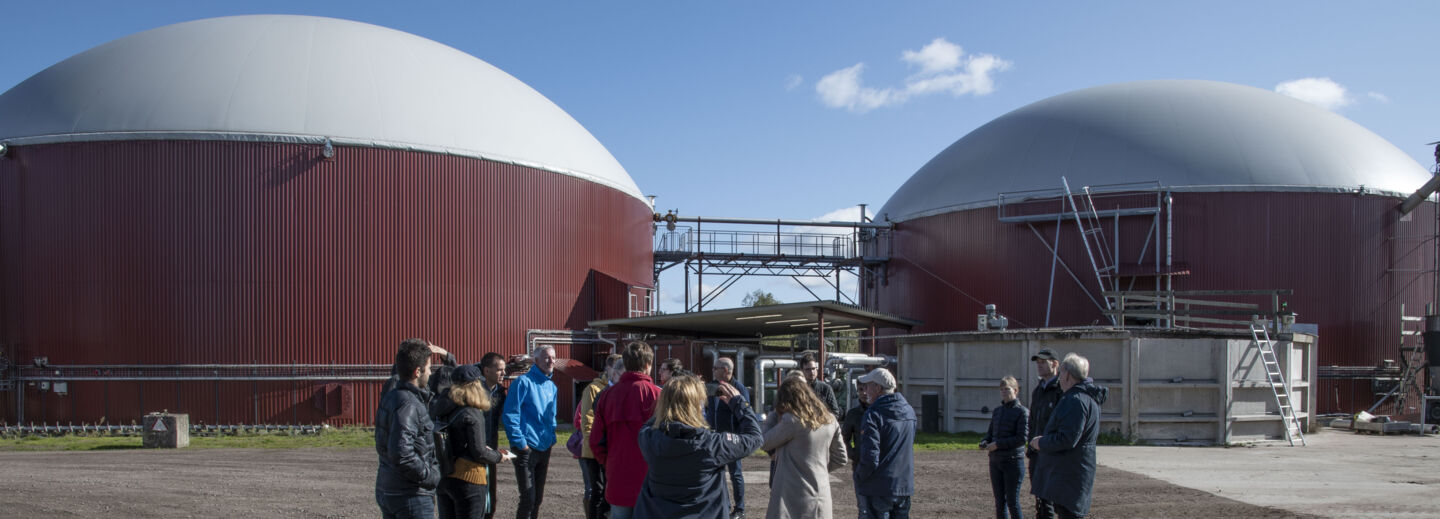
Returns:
<point x="763" y="363"/>
<point x="194" y="378"/>
<point x="760" y="221"/>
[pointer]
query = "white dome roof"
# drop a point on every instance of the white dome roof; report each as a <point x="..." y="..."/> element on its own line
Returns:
<point x="1188" y="135"/>
<point x="302" y="79"/>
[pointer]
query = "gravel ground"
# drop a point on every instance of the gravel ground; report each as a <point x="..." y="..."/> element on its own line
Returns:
<point x="340" y="483"/>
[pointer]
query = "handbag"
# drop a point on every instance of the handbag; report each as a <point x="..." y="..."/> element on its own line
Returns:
<point x="576" y="443"/>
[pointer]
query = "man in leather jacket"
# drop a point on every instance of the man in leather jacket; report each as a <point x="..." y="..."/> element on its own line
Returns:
<point x="408" y="474"/>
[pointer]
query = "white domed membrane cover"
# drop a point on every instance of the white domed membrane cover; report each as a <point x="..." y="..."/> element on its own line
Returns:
<point x="1188" y="135"/>
<point x="302" y="79"/>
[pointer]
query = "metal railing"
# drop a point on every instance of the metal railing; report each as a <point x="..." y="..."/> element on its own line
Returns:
<point x="58" y="429"/>
<point x="1185" y="308"/>
<point x="1128" y="199"/>
<point x="755" y="243"/>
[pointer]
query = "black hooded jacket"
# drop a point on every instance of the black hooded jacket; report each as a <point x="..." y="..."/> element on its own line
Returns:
<point x="1065" y="469"/>
<point x="687" y="466"/>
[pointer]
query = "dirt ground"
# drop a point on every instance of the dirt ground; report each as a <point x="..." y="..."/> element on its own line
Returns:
<point x="340" y="483"/>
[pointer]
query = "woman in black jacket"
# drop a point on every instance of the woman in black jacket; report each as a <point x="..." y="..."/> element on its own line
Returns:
<point x="1009" y="428"/>
<point x="687" y="460"/>
<point x="463" y="492"/>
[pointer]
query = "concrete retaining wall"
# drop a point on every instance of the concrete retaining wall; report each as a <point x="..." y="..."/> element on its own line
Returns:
<point x="1164" y="386"/>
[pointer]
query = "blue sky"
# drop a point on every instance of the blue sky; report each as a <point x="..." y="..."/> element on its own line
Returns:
<point x="758" y="109"/>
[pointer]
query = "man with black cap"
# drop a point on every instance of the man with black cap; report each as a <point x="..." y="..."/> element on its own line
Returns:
<point x="1042" y="402"/>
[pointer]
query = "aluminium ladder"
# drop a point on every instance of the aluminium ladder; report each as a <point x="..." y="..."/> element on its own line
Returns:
<point x="1093" y="237"/>
<point x="1279" y="385"/>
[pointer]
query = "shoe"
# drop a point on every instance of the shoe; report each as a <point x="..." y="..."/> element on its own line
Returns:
<point x="737" y="514"/>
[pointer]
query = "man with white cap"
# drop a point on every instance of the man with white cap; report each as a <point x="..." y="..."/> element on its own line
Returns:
<point x="885" y="471"/>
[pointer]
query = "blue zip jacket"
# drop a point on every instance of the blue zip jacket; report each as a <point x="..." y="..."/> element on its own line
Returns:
<point x="530" y="411"/>
<point x="1009" y="430"/>
<point x="1065" y="469"/>
<point x="886" y="467"/>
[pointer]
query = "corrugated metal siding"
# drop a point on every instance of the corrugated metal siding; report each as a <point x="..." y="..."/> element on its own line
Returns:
<point x="188" y="252"/>
<point x="1345" y="255"/>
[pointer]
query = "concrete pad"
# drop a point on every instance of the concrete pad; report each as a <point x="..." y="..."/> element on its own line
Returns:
<point x="1340" y="473"/>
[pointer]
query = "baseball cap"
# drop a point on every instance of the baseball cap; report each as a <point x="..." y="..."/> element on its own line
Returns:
<point x="880" y="377"/>
<point x="1044" y="354"/>
<point x="465" y="374"/>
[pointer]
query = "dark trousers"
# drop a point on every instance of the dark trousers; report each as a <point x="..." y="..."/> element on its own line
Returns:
<point x="461" y="499"/>
<point x="531" y="467"/>
<point x="1065" y="513"/>
<point x="1006" y="476"/>
<point x="594" y="475"/>
<point x="1043" y="509"/>
<point x="405" y="506"/>
<point x="872" y="507"/>
<point x="494" y="484"/>
<point x="737" y="481"/>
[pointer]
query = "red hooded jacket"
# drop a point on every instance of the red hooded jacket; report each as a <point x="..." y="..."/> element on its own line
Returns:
<point x="614" y="436"/>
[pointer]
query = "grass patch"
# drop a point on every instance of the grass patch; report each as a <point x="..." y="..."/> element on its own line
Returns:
<point x="1115" y="438"/>
<point x="341" y="438"/>
<point x="947" y="441"/>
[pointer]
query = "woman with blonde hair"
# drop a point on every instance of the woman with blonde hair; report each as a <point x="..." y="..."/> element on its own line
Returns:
<point x="463" y="493"/>
<point x="805" y="442"/>
<point x="687" y="460"/>
<point x="1009" y="428"/>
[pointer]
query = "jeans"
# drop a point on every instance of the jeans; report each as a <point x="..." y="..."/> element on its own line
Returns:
<point x="874" y="507"/>
<point x="531" y="466"/>
<point x="621" y="512"/>
<point x="594" y="475"/>
<point x="462" y="499"/>
<point x="737" y="481"/>
<point x="1043" y="508"/>
<point x="405" y="506"/>
<point x="1006" y="476"/>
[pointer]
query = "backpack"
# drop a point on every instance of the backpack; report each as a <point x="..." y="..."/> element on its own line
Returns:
<point x="443" y="451"/>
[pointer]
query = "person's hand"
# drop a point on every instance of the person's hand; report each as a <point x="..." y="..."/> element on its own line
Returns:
<point x="437" y="350"/>
<point x="726" y="392"/>
<point x="1035" y="443"/>
<point x="992" y="447"/>
<point x="506" y="456"/>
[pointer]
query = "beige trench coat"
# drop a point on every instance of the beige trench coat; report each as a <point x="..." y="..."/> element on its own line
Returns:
<point x="800" y="485"/>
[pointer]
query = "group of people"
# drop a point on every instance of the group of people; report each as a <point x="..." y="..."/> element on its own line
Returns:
<point x="1056" y="434"/>
<point x="645" y="450"/>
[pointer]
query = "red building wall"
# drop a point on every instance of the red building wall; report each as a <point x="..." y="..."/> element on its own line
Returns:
<point x="213" y="252"/>
<point x="1349" y="258"/>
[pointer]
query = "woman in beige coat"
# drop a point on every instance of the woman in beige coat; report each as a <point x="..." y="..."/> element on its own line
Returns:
<point x="805" y="443"/>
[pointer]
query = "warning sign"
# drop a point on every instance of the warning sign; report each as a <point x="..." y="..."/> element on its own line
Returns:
<point x="159" y="426"/>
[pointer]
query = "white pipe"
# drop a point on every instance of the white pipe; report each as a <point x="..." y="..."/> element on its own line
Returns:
<point x="757" y="394"/>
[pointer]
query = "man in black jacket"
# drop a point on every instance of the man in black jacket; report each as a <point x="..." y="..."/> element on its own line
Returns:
<point x="1042" y="402"/>
<point x="492" y="366"/>
<point x="408" y="474"/>
<point x="810" y="367"/>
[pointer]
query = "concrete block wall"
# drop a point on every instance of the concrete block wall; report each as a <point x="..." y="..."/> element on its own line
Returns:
<point x="1164" y="387"/>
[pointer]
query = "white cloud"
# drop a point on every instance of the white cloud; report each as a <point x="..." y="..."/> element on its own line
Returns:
<point x="1379" y="97"/>
<point x="944" y="67"/>
<point x="842" y="89"/>
<point x="1319" y="91"/>
<point x="793" y="82"/>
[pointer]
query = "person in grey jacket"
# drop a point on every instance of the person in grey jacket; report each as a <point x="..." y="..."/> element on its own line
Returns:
<point x="1005" y="440"/>
<point x="408" y="473"/>
<point x="1065" y="472"/>
<point x="885" y="472"/>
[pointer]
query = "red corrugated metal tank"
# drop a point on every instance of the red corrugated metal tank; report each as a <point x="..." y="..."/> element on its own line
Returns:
<point x="303" y="224"/>
<point x="1267" y="193"/>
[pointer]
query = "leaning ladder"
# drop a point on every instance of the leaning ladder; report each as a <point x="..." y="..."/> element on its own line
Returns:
<point x="1093" y="238"/>
<point x="1279" y="385"/>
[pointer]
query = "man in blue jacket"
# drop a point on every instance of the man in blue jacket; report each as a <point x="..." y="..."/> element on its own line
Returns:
<point x="717" y="413"/>
<point x="408" y="474"/>
<point x="530" y="427"/>
<point x="1065" y="469"/>
<point x="885" y="472"/>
